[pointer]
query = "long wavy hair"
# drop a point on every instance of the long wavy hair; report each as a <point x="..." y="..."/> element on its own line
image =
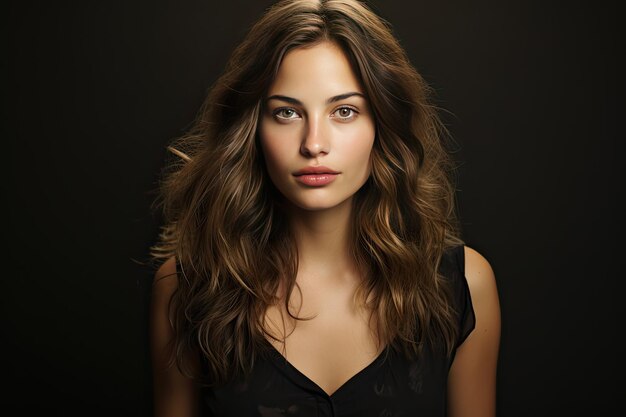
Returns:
<point x="224" y="225"/>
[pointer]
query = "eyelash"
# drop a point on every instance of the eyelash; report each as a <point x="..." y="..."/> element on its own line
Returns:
<point x="277" y="112"/>
<point x="352" y="115"/>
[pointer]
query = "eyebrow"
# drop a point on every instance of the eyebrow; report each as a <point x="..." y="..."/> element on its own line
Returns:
<point x="332" y="99"/>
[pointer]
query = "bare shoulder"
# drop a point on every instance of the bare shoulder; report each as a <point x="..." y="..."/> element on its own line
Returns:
<point x="481" y="281"/>
<point x="164" y="285"/>
<point x="174" y="393"/>
<point x="472" y="377"/>
<point x="165" y="279"/>
<point x="167" y="269"/>
<point x="479" y="273"/>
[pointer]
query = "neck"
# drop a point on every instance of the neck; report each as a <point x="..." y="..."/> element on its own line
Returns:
<point x="323" y="239"/>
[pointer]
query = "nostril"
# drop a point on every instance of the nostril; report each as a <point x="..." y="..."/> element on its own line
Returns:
<point x="313" y="148"/>
<point x="312" y="152"/>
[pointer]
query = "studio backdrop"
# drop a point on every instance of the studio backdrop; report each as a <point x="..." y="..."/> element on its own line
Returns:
<point x="94" y="91"/>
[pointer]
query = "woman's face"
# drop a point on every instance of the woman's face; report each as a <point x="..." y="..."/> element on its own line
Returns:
<point x="317" y="130"/>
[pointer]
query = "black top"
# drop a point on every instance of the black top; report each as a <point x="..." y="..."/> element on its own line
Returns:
<point x="391" y="385"/>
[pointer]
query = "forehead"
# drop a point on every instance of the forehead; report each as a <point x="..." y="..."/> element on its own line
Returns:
<point x="321" y="69"/>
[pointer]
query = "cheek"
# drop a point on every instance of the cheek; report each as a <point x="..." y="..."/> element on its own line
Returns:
<point x="359" y="147"/>
<point x="274" y="152"/>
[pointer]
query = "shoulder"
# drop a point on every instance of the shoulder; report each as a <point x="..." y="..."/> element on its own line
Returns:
<point x="167" y="269"/>
<point x="165" y="281"/>
<point x="481" y="282"/>
<point x="479" y="273"/>
<point x="472" y="377"/>
<point x="174" y="392"/>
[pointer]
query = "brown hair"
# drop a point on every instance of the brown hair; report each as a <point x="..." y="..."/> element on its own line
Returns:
<point x="228" y="234"/>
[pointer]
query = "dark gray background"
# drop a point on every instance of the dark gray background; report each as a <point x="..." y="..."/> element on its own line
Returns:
<point x="93" y="92"/>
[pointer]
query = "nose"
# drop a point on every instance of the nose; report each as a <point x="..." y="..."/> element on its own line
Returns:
<point x="316" y="141"/>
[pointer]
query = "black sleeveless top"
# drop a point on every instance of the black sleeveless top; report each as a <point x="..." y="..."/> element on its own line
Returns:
<point x="392" y="385"/>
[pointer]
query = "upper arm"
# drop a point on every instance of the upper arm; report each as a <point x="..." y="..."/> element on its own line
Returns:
<point x="472" y="377"/>
<point x="174" y="394"/>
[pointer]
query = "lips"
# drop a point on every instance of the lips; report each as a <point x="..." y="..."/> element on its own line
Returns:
<point x="315" y="170"/>
<point x="315" y="176"/>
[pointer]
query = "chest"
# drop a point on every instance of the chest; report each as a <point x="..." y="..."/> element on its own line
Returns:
<point x="391" y="385"/>
<point x="331" y="343"/>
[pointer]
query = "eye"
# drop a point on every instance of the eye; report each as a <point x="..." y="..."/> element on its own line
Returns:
<point x="345" y="113"/>
<point x="285" y="113"/>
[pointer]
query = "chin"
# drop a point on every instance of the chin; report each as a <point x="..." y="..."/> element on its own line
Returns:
<point x="319" y="204"/>
<point x="315" y="207"/>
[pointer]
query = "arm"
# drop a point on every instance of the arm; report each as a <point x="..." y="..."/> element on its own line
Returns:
<point x="174" y="394"/>
<point x="472" y="378"/>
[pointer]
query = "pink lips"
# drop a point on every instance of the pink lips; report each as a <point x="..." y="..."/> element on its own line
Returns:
<point x="315" y="176"/>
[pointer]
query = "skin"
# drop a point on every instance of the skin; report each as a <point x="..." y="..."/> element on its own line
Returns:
<point x="472" y="376"/>
<point x="338" y="342"/>
<point x="324" y="121"/>
<point x="329" y="126"/>
<point x="174" y="394"/>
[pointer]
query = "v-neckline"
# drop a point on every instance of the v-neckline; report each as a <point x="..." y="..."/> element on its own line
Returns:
<point x="364" y="371"/>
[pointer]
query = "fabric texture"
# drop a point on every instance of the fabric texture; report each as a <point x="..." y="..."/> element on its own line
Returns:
<point x="391" y="386"/>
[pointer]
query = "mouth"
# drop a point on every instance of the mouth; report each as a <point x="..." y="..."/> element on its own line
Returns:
<point x="315" y="176"/>
<point x="318" y="170"/>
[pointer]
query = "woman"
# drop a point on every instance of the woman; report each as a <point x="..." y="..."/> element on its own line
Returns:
<point x="311" y="260"/>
